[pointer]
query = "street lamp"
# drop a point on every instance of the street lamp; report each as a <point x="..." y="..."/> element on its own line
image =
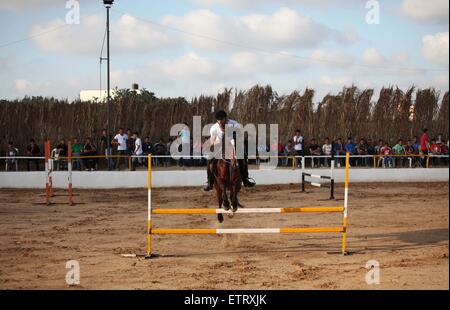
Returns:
<point x="108" y="4"/>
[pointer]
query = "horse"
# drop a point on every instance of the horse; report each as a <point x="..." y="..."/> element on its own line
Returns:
<point x="226" y="177"/>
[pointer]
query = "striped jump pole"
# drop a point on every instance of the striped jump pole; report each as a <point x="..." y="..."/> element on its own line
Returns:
<point x="250" y="210"/>
<point x="344" y="233"/>
<point x="316" y="184"/>
<point x="49" y="170"/>
<point x="149" y="205"/>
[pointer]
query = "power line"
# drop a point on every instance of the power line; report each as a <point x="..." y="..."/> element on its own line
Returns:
<point x="260" y="50"/>
<point x="44" y="32"/>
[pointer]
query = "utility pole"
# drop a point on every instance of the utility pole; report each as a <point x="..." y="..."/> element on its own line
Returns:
<point x="108" y="4"/>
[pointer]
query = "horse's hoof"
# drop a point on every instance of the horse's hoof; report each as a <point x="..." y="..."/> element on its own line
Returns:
<point x="220" y="218"/>
<point x="226" y="207"/>
<point x="230" y="215"/>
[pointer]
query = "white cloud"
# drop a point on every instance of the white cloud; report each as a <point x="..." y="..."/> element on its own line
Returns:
<point x="400" y="57"/>
<point x="435" y="48"/>
<point x="326" y="58"/>
<point x="372" y="57"/>
<point x="246" y="4"/>
<point x="435" y="11"/>
<point x="19" y="5"/>
<point x="188" y="66"/>
<point x="130" y="35"/>
<point x="338" y="81"/>
<point x="285" y="28"/>
<point x="441" y="81"/>
<point x="22" y="86"/>
<point x="27" y="4"/>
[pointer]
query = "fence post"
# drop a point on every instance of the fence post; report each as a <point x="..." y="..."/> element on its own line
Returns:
<point x="332" y="176"/>
<point x="303" y="182"/>
<point x="69" y="171"/>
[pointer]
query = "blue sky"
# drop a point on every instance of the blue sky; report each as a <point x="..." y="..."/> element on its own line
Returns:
<point x="192" y="47"/>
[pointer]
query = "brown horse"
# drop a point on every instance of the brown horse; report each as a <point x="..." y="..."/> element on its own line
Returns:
<point x="226" y="177"/>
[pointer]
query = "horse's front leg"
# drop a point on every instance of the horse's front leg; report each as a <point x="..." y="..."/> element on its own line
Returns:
<point x="219" y="200"/>
<point x="233" y="194"/>
<point x="226" y="202"/>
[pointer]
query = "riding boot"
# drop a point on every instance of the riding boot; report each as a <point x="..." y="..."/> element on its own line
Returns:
<point x="243" y="169"/>
<point x="209" y="185"/>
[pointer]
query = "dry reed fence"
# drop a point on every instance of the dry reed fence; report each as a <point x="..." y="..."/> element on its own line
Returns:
<point x="351" y="112"/>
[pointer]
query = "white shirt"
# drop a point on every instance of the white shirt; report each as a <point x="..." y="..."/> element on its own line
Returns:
<point x="138" y="147"/>
<point x="122" y="140"/>
<point x="217" y="132"/>
<point x="298" y="140"/>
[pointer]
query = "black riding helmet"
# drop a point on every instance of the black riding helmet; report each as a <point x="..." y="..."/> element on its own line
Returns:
<point x="220" y="115"/>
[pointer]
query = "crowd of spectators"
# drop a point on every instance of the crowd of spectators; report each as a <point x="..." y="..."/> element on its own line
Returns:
<point x="129" y="151"/>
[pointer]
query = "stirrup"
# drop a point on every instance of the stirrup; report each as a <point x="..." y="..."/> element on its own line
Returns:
<point x="207" y="187"/>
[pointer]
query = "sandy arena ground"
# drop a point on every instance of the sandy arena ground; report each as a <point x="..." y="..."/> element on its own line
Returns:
<point x="404" y="226"/>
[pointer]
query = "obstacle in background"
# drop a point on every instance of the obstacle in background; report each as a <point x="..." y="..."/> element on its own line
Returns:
<point x="314" y="179"/>
<point x="212" y="231"/>
<point x="49" y="168"/>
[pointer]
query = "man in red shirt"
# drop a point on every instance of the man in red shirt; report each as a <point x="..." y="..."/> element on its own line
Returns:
<point x="424" y="145"/>
<point x="435" y="149"/>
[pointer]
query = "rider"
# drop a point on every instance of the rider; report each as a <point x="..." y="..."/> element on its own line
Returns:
<point x="216" y="133"/>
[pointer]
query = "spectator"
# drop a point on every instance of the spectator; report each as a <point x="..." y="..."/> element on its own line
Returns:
<point x="89" y="149"/>
<point x="397" y="150"/>
<point x="33" y="151"/>
<point x="361" y="150"/>
<point x="12" y="152"/>
<point x="122" y="147"/>
<point x="77" y="150"/>
<point x="386" y="151"/>
<point x="315" y="150"/>
<point x="130" y="142"/>
<point x="137" y="151"/>
<point x="327" y="150"/>
<point x="277" y="148"/>
<point x="289" y="150"/>
<point x="185" y="137"/>
<point x="424" y="146"/>
<point x="439" y="139"/>
<point x="106" y="149"/>
<point x="339" y="150"/>
<point x="371" y="151"/>
<point x="350" y="147"/>
<point x="409" y="150"/>
<point x="168" y="160"/>
<point x="416" y="145"/>
<point x="298" y="145"/>
<point x="147" y="149"/>
<point x="61" y="150"/>
<point x="444" y="151"/>
<point x="160" y="150"/>
<point x="378" y="148"/>
<point x="435" y="149"/>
